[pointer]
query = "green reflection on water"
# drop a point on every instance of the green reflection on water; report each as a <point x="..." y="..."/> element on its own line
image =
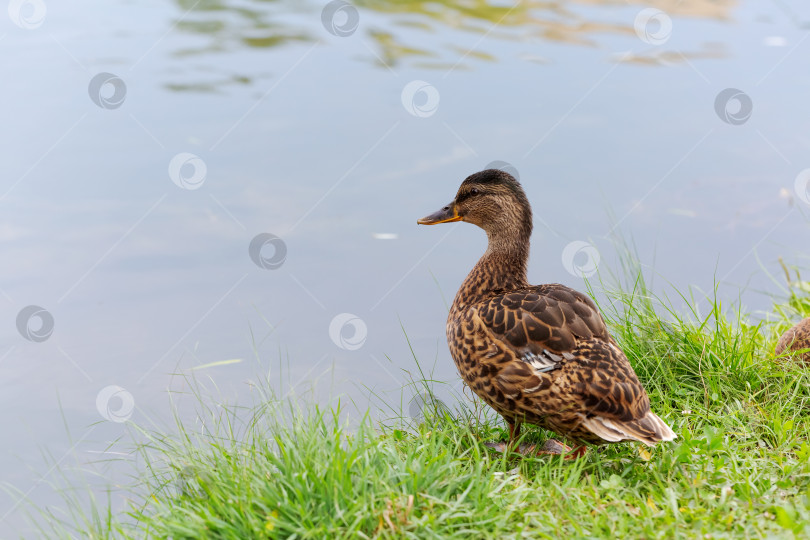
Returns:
<point x="393" y="27"/>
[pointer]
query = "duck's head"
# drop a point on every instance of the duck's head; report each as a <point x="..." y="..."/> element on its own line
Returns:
<point x="491" y="199"/>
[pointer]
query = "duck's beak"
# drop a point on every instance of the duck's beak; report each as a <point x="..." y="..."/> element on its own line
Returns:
<point x="446" y="215"/>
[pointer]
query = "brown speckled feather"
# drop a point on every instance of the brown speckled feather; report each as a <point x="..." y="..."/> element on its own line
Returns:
<point x="550" y="317"/>
<point x="796" y="339"/>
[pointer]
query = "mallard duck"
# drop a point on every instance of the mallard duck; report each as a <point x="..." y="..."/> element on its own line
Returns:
<point x="796" y="339"/>
<point x="540" y="354"/>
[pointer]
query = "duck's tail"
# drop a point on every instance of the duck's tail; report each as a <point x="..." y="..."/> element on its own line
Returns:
<point x="649" y="429"/>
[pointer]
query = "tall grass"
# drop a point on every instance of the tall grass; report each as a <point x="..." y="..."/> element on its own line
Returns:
<point x="739" y="468"/>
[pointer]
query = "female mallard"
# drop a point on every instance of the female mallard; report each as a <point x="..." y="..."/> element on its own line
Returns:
<point x="796" y="339"/>
<point x="537" y="353"/>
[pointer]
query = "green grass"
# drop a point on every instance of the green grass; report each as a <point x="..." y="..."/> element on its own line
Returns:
<point x="739" y="468"/>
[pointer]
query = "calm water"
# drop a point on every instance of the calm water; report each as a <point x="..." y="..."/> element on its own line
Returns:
<point x="130" y="200"/>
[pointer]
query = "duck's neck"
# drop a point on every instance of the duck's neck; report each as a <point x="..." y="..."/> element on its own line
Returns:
<point x="502" y="268"/>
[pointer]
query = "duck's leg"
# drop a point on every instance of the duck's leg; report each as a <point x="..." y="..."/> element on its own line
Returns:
<point x="514" y="434"/>
<point x="511" y="444"/>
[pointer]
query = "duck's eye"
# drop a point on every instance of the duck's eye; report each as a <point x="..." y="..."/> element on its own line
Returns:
<point x="474" y="191"/>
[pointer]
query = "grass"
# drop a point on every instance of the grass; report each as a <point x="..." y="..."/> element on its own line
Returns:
<point x="739" y="468"/>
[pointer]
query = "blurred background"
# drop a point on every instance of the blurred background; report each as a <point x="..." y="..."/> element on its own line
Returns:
<point x="228" y="190"/>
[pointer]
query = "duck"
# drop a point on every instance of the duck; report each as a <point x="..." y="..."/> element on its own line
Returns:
<point x="537" y="354"/>
<point x="796" y="340"/>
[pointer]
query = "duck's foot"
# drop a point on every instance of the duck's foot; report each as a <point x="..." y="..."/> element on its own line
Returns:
<point x="552" y="447"/>
<point x="502" y="447"/>
<point x="577" y="453"/>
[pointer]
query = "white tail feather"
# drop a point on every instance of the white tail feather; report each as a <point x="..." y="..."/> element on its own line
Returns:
<point x="634" y="430"/>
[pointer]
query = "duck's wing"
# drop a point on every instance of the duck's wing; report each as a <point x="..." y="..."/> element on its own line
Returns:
<point x="551" y="327"/>
<point x="546" y="321"/>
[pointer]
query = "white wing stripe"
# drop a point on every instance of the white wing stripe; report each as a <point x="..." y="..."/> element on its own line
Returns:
<point x="546" y="361"/>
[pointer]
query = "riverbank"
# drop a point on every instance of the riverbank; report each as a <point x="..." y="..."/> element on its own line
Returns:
<point x="739" y="468"/>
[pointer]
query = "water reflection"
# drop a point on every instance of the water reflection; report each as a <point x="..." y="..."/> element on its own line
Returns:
<point x="407" y="32"/>
<point x="254" y="24"/>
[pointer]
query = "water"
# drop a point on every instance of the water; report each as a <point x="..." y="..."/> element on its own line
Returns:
<point x="304" y="135"/>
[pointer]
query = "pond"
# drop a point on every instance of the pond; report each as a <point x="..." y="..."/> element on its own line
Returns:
<point x="229" y="189"/>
